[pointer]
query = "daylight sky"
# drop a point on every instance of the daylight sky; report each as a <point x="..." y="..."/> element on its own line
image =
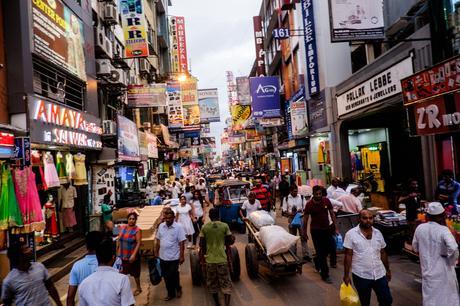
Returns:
<point x="219" y="38"/>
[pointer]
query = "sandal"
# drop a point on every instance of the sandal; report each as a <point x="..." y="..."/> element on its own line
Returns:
<point x="137" y="292"/>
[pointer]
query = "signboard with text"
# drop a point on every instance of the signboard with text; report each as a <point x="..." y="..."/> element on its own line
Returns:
<point x="208" y="99"/>
<point x="310" y="47"/>
<point x="317" y="113"/>
<point x="298" y="113"/>
<point x="175" y="111"/>
<point x="242" y="90"/>
<point x="181" y="44"/>
<point x="134" y="28"/>
<point x="128" y="140"/>
<point x="152" y="95"/>
<point x="259" y="42"/>
<point x="265" y="92"/>
<point x="241" y="115"/>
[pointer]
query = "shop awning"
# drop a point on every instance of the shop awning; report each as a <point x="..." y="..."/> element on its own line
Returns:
<point x="167" y="137"/>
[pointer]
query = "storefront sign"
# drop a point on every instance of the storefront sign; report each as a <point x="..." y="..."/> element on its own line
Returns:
<point x="208" y="142"/>
<point x="56" y="124"/>
<point x="259" y="41"/>
<point x="175" y="111"/>
<point x="353" y="20"/>
<point x="128" y="140"/>
<point x="152" y="145"/>
<point x="317" y="113"/>
<point x="440" y="79"/>
<point x="271" y="122"/>
<point x="265" y="92"/>
<point x="190" y="106"/>
<point x="382" y="86"/>
<point x="242" y="90"/>
<point x="58" y="36"/>
<point x="298" y="113"/>
<point x="310" y="47"/>
<point x="241" y="115"/>
<point x="252" y="135"/>
<point x="208" y="99"/>
<point x="134" y="28"/>
<point x="152" y="95"/>
<point x="181" y="44"/>
<point x="21" y="147"/>
<point x="435" y="116"/>
<point x="173" y="44"/>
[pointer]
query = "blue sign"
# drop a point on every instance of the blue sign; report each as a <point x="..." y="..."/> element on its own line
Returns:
<point x="265" y="93"/>
<point x="310" y="47"/>
<point x="281" y="33"/>
<point x="287" y="113"/>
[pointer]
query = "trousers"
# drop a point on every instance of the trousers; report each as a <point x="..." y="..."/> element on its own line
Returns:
<point x="293" y="231"/>
<point x="364" y="288"/>
<point x="322" y="241"/>
<point x="170" y="273"/>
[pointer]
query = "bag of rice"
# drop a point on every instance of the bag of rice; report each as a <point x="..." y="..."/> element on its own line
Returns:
<point x="276" y="239"/>
<point x="261" y="218"/>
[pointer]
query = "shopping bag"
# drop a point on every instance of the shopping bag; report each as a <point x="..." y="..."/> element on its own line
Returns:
<point x="154" y="271"/>
<point x="348" y="296"/>
<point x="339" y="242"/>
<point x="297" y="221"/>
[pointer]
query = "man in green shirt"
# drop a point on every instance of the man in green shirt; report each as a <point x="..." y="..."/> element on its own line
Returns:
<point x="214" y="238"/>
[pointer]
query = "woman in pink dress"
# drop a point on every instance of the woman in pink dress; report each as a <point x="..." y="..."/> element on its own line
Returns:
<point x="28" y="199"/>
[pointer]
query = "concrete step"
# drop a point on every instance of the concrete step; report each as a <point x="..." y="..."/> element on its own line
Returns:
<point x="60" y="249"/>
<point x="62" y="266"/>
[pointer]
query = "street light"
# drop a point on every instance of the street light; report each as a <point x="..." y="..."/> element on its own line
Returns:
<point x="182" y="78"/>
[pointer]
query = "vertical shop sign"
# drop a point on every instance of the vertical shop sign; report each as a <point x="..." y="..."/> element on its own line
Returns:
<point x="259" y="41"/>
<point x="317" y="112"/>
<point x="299" y="119"/>
<point x="174" y="45"/>
<point x="265" y="92"/>
<point x="190" y="106"/>
<point x="287" y="113"/>
<point x="134" y="28"/>
<point x="310" y="47"/>
<point x="181" y="44"/>
<point x="21" y="150"/>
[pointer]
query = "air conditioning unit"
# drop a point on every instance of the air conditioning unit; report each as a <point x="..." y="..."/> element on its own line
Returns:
<point x="117" y="50"/>
<point x="100" y="37"/>
<point x="108" y="47"/>
<point x="109" y="127"/>
<point x="144" y="66"/>
<point x="117" y="76"/>
<point x="103" y="67"/>
<point x="110" y="13"/>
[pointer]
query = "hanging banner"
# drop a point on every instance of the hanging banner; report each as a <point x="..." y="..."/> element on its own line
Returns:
<point x="252" y="135"/>
<point x="190" y="106"/>
<point x="143" y="148"/>
<point x="310" y="47"/>
<point x="353" y="20"/>
<point x="242" y="89"/>
<point x="134" y="28"/>
<point x="152" y="145"/>
<point x="173" y="44"/>
<point x="240" y="116"/>
<point x="191" y="115"/>
<point x="152" y="95"/>
<point x="128" y="141"/>
<point x="380" y="87"/>
<point x="299" y="118"/>
<point x="181" y="44"/>
<point x="265" y="92"/>
<point x="175" y="112"/>
<point x="259" y="41"/>
<point x="58" y="36"/>
<point x="317" y="115"/>
<point x="208" y="99"/>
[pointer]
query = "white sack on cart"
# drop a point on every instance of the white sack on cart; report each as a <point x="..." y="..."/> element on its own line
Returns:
<point x="276" y="239"/>
<point x="261" y="218"/>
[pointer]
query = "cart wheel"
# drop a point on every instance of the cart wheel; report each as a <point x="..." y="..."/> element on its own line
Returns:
<point x="242" y="228"/>
<point x="195" y="267"/>
<point x="236" y="267"/>
<point x="252" y="263"/>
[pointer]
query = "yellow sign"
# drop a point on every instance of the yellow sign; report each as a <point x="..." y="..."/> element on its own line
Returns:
<point x="240" y="116"/>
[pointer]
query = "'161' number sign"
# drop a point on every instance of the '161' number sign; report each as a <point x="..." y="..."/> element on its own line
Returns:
<point x="281" y="33"/>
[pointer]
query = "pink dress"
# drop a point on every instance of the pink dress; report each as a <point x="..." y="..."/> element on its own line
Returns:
<point x="51" y="176"/>
<point x="28" y="199"/>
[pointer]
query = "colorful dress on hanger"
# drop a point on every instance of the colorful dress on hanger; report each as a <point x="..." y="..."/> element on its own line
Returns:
<point x="69" y="166"/>
<point x="37" y="168"/>
<point x="80" y="170"/>
<point x="51" y="220"/>
<point x="28" y="199"/>
<point x="67" y="198"/>
<point x="10" y="215"/>
<point x="51" y="176"/>
<point x="60" y="168"/>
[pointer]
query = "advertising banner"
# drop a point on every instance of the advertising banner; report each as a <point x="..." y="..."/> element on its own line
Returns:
<point x="143" y="149"/>
<point x="128" y="141"/>
<point x="299" y="118"/>
<point x="265" y="92"/>
<point x="152" y="145"/>
<point x="134" y="28"/>
<point x="58" y="36"/>
<point x="259" y="41"/>
<point x="440" y="79"/>
<point x="181" y="44"/>
<point x="252" y="135"/>
<point x="208" y="142"/>
<point x="242" y="89"/>
<point x="310" y="47"/>
<point x="173" y="44"/>
<point x="241" y="115"/>
<point x="208" y="99"/>
<point x="175" y="111"/>
<point x="356" y="20"/>
<point x="191" y="115"/>
<point x="152" y="95"/>
<point x="380" y="87"/>
<point x="189" y="92"/>
<point x="317" y="115"/>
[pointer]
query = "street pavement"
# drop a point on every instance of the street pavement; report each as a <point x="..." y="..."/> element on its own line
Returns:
<point x="266" y="290"/>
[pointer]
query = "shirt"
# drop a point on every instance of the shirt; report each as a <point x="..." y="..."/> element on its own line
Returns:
<point x="250" y="208"/>
<point x="106" y="210"/>
<point x="289" y="203"/>
<point x="82" y="269"/>
<point x="438" y="253"/>
<point x="27" y="288"/>
<point x="330" y="191"/>
<point x="319" y="213"/>
<point x="452" y="190"/>
<point x="339" y="192"/>
<point x="263" y="195"/>
<point x="127" y="241"/>
<point x="67" y="196"/>
<point x="188" y="196"/>
<point x="351" y="204"/>
<point x="106" y="287"/>
<point x="198" y="208"/>
<point x="158" y="200"/>
<point x="170" y="238"/>
<point x="366" y="262"/>
<point x="214" y="234"/>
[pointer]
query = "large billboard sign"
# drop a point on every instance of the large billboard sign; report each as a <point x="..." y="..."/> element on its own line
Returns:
<point x="265" y="92"/>
<point x="134" y="28"/>
<point x="208" y="99"/>
<point x="152" y="95"/>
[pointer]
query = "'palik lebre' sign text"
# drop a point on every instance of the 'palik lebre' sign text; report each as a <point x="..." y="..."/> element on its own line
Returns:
<point x="56" y="124"/>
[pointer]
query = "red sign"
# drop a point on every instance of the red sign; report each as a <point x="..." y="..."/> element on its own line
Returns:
<point x="181" y="44"/>
<point x="6" y="140"/>
<point x="440" y="79"/>
<point x="259" y="40"/>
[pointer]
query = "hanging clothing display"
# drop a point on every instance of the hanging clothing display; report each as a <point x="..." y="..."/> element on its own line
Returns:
<point x="28" y="199"/>
<point x="67" y="199"/>
<point x="80" y="170"/>
<point x="10" y="215"/>
<point x="51" y="220"/>
<point x="37" y="168"/>
<point x="51" y="176"/>
<point x="69" y="166"/>
<point x="61" y="169"/>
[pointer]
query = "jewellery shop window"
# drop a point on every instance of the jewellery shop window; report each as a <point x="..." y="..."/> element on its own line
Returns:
<point x="57" y="176"/>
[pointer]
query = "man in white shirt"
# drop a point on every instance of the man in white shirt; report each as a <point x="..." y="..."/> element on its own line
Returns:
<point x="292" y="205"/>
<point x="351" y="203"/>
<point x="106" y="286"/>
<point x="340" y="190"/>
<point x="365" y="255"/>
<point x="438" y="253"/>
<point x="250" y="205"/>
<point x="169" y="247"/>
<point x="334" y="184"/>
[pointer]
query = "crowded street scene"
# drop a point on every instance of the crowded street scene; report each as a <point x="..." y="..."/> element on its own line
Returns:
<point x="229" y="153"/>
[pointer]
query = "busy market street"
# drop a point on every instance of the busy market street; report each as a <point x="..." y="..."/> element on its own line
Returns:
<point x="229" y="153"/>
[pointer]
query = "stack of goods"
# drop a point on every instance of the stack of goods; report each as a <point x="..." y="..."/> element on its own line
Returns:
<point x="276" y="239"/>
<point x="261" y="218"/>
<point x="148" y="221"/>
